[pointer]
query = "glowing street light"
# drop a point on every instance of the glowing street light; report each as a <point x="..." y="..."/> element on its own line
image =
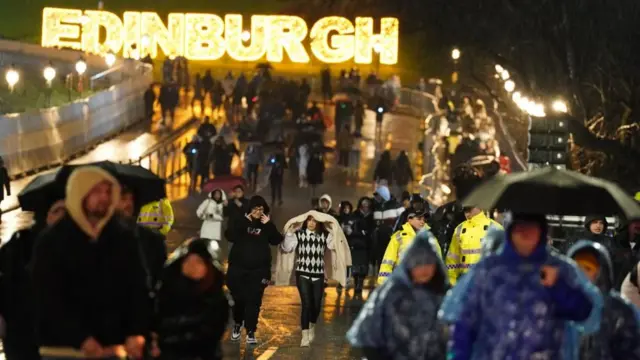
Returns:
<point x="516" y="96"/>
<point x="246" y="36"/>
<point x="535" y="109"/>
<point x="455" y="54"/>
<point x="505" y="75"/>
<point x="49" y="74"/>
<point x="560" y="106"/>
<point x="110" y="59"/>
<point x="509" y="85"/>
<point x="12" y="76"/>
<point x="499" y="69"/>
<point x="81" y="67"/>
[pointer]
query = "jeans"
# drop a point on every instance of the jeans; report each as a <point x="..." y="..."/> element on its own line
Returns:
<point x="310" y="290"/>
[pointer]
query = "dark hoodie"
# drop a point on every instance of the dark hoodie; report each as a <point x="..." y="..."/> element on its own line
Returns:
<point x="252" y="240"/>
<point x="389" y="329"/>
<point x="619" y="333"/>
<point x="192" y="315"/>
<point x="88" y="281"/>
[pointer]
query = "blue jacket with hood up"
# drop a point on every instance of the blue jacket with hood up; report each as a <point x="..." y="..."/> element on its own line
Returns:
<point x="501" y="310"/>
<point x="619" y="333"/>
<point x="399" y="320"/>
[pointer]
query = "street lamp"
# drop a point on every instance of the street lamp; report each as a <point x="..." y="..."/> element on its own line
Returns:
<point x="110" y="59"/>
<point x="81" y="67"/>
<point x="455" y="54"/>
<point x="12" y="76"/>
<point x="246" y="36"/>
<point x="516" y="96"/>
<point x="499" y="69"/>
<point x="509" y="85"/>
<point x="560" y="106"/>
<point x="505" y="75"/>
<point x="49" y="74"/>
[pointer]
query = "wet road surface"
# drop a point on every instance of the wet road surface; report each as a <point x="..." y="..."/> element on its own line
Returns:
<point x="279" y="324"/>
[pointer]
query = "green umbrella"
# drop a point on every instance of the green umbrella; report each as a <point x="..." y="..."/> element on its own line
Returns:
<point x="551" y="191"/>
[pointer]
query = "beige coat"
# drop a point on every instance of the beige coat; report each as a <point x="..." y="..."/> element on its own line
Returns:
<point x="340" y="258"/>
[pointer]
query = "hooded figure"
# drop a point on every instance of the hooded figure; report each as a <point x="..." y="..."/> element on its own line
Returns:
<point x="192" y="306"/>
<point x="88" y="279"/>
<point x="386" y="211"/>
<point x="619" y="333"/>
<point x="326" y="206"/>
<point x="211" y="212"/>
<point x="399" y="320"/>
<point x="359" y="230"/>
<point x="595" y="222"/>
<point x="517" y="302"/>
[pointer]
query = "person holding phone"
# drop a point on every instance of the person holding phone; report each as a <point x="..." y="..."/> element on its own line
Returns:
<point x="249" y="270"/>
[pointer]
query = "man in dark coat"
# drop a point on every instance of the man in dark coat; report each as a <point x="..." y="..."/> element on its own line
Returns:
<point x="88" y="280"/>
<point x="250" y="265"/>
<point x="238" y="206"/>
<point x="362" y="226"/>
<point x="16" y="298"/>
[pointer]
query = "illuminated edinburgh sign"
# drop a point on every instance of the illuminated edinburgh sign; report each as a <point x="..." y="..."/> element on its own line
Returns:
<point x="333" y="39"/>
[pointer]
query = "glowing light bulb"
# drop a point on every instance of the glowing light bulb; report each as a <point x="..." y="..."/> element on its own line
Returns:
<point x="246" y="36"/>
<point x="559" y="106"/>
<point x="12" y="77"/>
<point x="110" y="59"/>
<point x="81" y="67"/>
<point x="509" y="85"/>
<point x="455" y="54"/>
<point x="49" y="73"/>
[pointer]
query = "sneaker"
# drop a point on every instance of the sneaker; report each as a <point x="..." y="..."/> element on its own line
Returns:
<point x="251" y="338"/>
<point x="236" y="332"/>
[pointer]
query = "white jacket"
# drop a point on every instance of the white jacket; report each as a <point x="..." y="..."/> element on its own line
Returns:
<point x="211" y="214"/>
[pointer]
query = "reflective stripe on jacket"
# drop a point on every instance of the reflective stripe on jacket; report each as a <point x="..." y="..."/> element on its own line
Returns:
<point x="157" y="215"/>
<point x="399" y="242"/>
<point x="466" y="245"/>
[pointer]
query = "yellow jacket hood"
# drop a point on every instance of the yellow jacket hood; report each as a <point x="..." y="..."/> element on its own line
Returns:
<point x="80" y="183"/>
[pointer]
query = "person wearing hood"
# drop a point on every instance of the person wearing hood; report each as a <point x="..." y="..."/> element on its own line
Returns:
<point x="399" y="320"/>
<point x="249" y="270"/>
<point x="386" y="211"/>
<point x="308" y="238"/>
<point x="384" y="169"/>
<point x="595" y="228"/>
<point x="16" y="298"/>
<point x="326" y="206"/>
<point x="207" y="130"/>
<point x="402" y="171"/>
<point x="619" y="333"/>
<point x="466" y="245"/>
<point x="88" y="279"/>
<point x="211" y="212"/>
<point x="492" y="319"/>
<point x="399" y="242"/>
<point x="192" y="305"/>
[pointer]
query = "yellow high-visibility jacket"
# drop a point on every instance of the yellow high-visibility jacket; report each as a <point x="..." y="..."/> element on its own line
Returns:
<point x="399" y="242"/>
<point x="157" y="215"/>
<point x="466" y="245"/>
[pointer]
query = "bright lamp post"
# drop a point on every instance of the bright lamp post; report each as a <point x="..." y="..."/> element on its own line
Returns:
<point x="81" y="67"/>
<point x="12" y="76"/>
<point x="509" y="86"/>
<point x="499" y="69"/>
<point x="505" y="75"/>
<point x="560" y="106"/>
<point x="455" y="54"/>
<point x="49" y="74"/>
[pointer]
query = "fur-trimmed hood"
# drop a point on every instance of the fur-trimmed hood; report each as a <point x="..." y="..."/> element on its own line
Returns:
<point x="81" y="181"/>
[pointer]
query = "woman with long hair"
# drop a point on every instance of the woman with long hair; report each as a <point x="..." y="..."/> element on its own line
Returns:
<point x="309" y="241"/>
<point x="211" y="212"/>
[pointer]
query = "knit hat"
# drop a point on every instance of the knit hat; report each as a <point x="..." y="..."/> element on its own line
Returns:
<point x="587" y="260"/>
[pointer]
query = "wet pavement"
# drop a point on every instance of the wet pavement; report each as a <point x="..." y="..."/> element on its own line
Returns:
<point x="279" y="330"/>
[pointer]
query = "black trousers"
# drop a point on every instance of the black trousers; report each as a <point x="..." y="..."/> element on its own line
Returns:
<point x="276" y="190"/>
<point x="310" y="290"/>
<point x="344" y="158"/>
<point x="247" y="288"/>
<point x="252" y="174"/>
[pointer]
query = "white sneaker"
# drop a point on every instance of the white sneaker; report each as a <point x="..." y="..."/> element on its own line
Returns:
<point x="251" y="338"/>
<point x="236" y="332"/>
<point x="305" y="339"/>
<point x="312" y="332"/>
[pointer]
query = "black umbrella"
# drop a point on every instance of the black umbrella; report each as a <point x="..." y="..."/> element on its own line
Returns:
<point x="45" y="189"/>
<point x="554" y="192"/>
<point x="146" y="185"/>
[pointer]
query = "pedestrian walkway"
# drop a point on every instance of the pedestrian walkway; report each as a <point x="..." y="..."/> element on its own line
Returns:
<point x="278" y="329"/>
<point x="128" y="146"/>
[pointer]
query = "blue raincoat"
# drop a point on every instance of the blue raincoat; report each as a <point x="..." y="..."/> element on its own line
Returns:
<point x="399" y="320"/>
<point x="500" y="310"/>
<point x="619" y="334"/>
